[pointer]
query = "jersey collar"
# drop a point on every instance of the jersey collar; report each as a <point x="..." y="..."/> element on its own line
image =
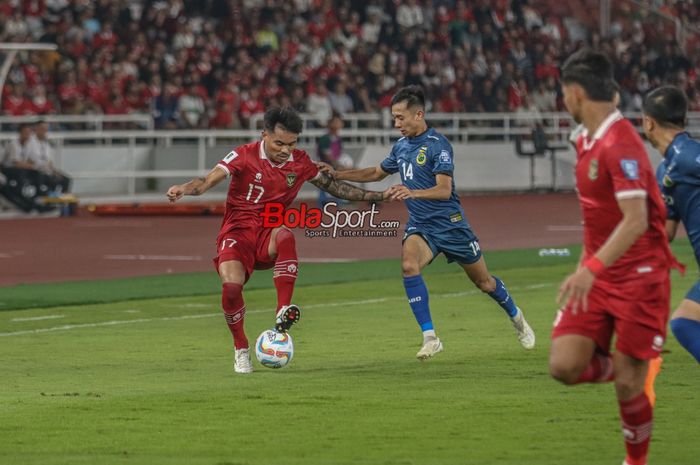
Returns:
<point x="672" y="150"/>
<point x="420" y="137"/>
<point x="263" y="156"/>
<point x="612" y="118"/>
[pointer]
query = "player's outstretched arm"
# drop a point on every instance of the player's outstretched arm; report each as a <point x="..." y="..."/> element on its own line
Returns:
<point x="634" y="223"/>
<point x="197" y="186"/>
<point x="441" y="191"/>
<point x="346" y="191"/>
<point x="671" y="229"/>
<point x="371" y="174"/>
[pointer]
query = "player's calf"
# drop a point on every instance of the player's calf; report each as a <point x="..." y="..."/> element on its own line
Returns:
<point x="687" y="332"/>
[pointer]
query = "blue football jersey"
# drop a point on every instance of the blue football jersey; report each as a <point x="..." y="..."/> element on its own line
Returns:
<point x="678" y="176"/>
<point x="419" y="160"/>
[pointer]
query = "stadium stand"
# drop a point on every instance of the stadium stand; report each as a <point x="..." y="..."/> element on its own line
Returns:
<point x="217" y="63"/>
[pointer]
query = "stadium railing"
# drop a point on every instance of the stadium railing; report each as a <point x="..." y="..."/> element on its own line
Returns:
<point x="95" y="122"/>
<point x="459" y="128"/>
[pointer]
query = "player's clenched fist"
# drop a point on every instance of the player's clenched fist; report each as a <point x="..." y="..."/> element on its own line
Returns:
<point x="326" y="168"/>
<point x="175" y="193"/>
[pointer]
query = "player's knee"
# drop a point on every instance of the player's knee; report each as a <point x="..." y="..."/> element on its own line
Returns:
<point x="286" y="236"/>
<point x="628" y="387"/>
<point x="231" y="292"/>
<point x="410" y="267"/>
<point x="565" y="373"/>
<point x="676" y="325"/>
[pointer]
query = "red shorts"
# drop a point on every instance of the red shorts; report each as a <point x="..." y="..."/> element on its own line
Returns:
<point x="638" y="317"/>
<point x="248" y="246"/>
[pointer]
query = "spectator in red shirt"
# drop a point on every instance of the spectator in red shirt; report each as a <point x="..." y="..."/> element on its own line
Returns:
<point x="547" y="68"/>
<point x="41" y="105"/>
<point x="71" y="94"/>
<point x="16" y="103"/>
<point x="250" y="106"/>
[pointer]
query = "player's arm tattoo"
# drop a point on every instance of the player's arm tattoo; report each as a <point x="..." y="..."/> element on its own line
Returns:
<point x="201" y="184"/>
<point x="197" y="189"/>
<point x="344" y="190"/>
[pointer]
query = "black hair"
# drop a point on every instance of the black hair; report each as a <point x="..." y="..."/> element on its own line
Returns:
<point x="593" y="71"/>
<point x="412" y="95"/>
<point x="334" y="115"/>
<point x="287" y="117"/>
<point x="668" y="105"/>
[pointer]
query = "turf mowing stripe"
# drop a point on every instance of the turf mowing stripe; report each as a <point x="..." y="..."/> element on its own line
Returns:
<point x="208" y="315"/>
<point x="173" y="318"/>
<point x="38" y="318"/>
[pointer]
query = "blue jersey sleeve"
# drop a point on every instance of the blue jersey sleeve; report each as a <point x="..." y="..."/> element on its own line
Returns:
<point x="672" y="213"/>
<point x="391" y="164"/>
<point x="666" y="183"/>
<point x="443" y="159"/>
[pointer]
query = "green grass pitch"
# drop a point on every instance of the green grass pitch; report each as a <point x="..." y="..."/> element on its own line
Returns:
<point x="151" y="381"/>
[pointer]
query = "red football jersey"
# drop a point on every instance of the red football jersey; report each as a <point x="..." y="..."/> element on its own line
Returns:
<point x="613" y="165"/>
<point x="255" y="181"/>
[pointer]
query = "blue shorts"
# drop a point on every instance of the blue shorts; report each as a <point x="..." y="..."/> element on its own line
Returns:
<point x="694" y="293"/>
<point x="458" y="245"/>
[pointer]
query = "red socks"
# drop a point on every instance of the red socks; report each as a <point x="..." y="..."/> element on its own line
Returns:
<point x="234" y="311"/>
<point x="599" y="370"/>
<point x="637" y="423"/>
<point x="286" y="267"/>
<point x="284" y="276"/>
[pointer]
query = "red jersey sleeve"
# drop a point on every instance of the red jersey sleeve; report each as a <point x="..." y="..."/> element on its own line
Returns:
<point x="629" y="167"/>
<point x="232" y="163"/>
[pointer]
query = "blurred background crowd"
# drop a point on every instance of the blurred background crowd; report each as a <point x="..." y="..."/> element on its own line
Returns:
<point x="214" y="63"/>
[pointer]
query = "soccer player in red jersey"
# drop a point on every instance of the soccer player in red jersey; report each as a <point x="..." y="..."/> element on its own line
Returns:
<point x="621" y="285"/>
<point x="266" y="171"/>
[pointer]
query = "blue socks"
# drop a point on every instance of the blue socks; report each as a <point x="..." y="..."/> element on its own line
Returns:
<point x="688" y="334"/>
<point x="503" y="298"/>
<point x="417" y="295"/>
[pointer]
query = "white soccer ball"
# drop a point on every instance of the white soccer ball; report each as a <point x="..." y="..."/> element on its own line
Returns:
<point x="273" y="349"/>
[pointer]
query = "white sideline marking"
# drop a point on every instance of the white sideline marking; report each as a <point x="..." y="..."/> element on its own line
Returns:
<point x="476" y="291"/>
<point x="37" y="318"/>
<point x="565" y="228"/>
<point x="269" y="310"/>
<point x="538" y="285"/>
<point x="14" y="253"/>
<point x="328" y="260"/>
<point x="182" y="258"/>
<point x="112" y="224"/>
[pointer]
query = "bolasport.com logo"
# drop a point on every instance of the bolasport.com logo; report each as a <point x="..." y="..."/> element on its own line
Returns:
<point x="330" y="221"/>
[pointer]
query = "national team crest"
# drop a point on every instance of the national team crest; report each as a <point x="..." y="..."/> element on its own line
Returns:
<point x="291" y="179"/>
<point x="593" y="170"/>
<point x="421" y="158"/>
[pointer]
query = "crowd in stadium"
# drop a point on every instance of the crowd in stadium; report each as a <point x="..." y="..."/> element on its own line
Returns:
<point x="197" y="64"/>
